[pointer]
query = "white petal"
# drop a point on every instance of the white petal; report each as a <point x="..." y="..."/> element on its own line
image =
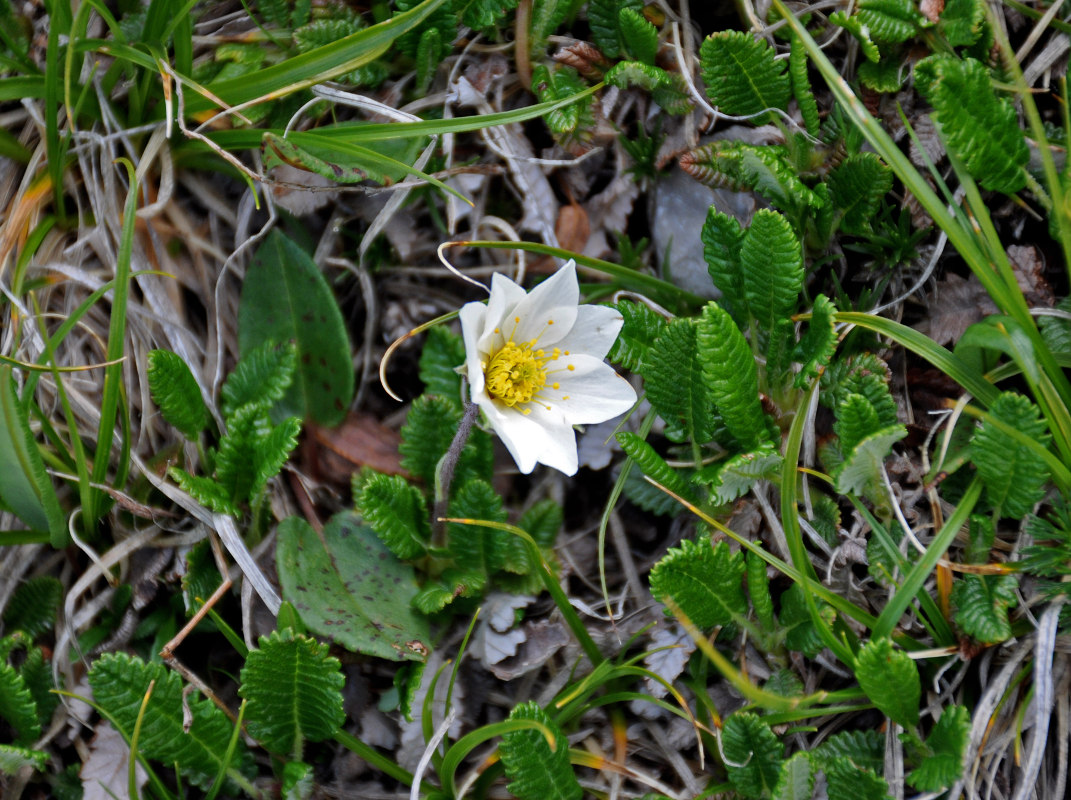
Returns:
<point x="472" y="317"/>
<point x="534" y="438"/>
<point x="555" y="299"/>
<point x="505" y="296"/>
<point x="594" y="331"/>
<point x="591" y="393"/>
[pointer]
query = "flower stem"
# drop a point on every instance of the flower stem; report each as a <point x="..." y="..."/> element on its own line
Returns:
<point x="444" y="475"/>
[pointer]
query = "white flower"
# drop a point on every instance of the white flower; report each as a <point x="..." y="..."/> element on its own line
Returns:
<point x="535" y="367"/>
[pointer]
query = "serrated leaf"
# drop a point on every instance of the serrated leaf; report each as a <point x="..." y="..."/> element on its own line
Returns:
<point x="536" y="771"/>
<point x="771" y="262"/>
<point x="272" y="452"/>
<point x="13" y="758"/>
<point x="443" y="352"/>
<point x="261" y="377"/>
<point x="175" y="391"/>
<point x="36" y="672"/>
<point x="239" y="450"/>
<point x="604" y="19"/>
<point x="32" y="608"/>
<point x="738" y="474"/>
<point x="348" y="586"/>
<point x="649" y="497"/>
<point x="25" y="487"/>
<point x="797" y="779"/>
<point x="818" y="343"/>
<point x="120" y="683"/>
<point x="286" y="298"/>
<point x="886" y="76"/>
<point x="753" y="755"/>
<point x="979" y="128"/>
<point x="730" y="375"/>
<point x="722" y="237"/>
<point x="857" y="187"/>
<point x="674" y="382"/>
<point x="667" y="89"/>
<point x="947" y="744"/>
<point x="17" y="705"/>
<point x="801" y="87"/>
<point x="548" y="85"/>
<point x="479" y="14"/>
<point x="890" y="21"/>
<point x="866" y="749"/>
<point x="433" y="598"/>
<point x="479" y="549"/>
<point x="795" y="618"/>
<point x="642" y="325"/>
<point x="742" y="76"/>
<point x="891" y="681"/>
<point x="847" y="781"/>
<point x="293" y="690"/>
<point x="542" y="522"/>
<point x="639" y="36"/>
<point x="758" y="590"/>
<point x="856" y="419"/>
<point x="205" y="491"/>
<point x="863" y="464"/>
<point x="961" y="22"/>
<point x="652" y="464"/>
<point x="704" y="581"/>
<point x="429" y="429"/>
<point x="1014" y="475"/>
<point x="864" y="374"/>
<point x="982" y="603"/>
<point x="396" y="511"/>
<point x="854" y="25"/>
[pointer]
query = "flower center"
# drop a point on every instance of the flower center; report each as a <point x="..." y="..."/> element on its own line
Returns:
<point x="516" y="373"/>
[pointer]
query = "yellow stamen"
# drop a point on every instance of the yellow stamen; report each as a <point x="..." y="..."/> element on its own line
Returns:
<point x="516" y="374"/>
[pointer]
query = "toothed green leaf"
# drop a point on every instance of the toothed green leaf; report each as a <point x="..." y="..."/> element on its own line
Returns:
<point x="642" y="325"/>
<point x="36" y="672"/>
<point x="962" y="21"/>
<point x="652" y="464"/>
<point x="272" y="452"/>
<point x="704" y="581"/>
<point x="982" y="603"/>
<point x="947" y="746"/>
<point x="742" y="76"/>
<point x="795" y="619"/>
<point x="722" y="237"/>
<point x="978" y="127"/>
<point x="862" y="465"/>
<point x="854" y="25"/>
<point x="771" y="262"/>
<point x="886" y="76"/>
<point x="738" y="474"/>
<point x="396" y="511"/>
<point x="801" y="87"/>
<point x="574" y="122"/>
<point x="797" y="779"/>
<point x="261" y="377"/>
<point x="847" y="781"/>
<point x="891" y="21"/>
<point x="753" y="755"/>
<point x="856" y="419"/>
<point x="479" y="14"/>
<point x="673" y="375"/>
<point x="857" y="187"/>
<point x="817" y="345"/>
<point x="13" y="758"/>
<point x="443" y="352"/>
<point x="538" y="771"/>
<point x="175" y="391"/>
<point x="429" y="429"/>
<point x="863" y="374"/>
<point x="866" y="749"/>
<point x="480" y="549"/>
<point x="293" y="690"/>
<point x="1014" y="475"/>
<point x="120" y="683"/>
<point x="248" y="429"/>
<point x="668" y="89"/>
<point x="205" y="491"/>
<point x="605" y="21"/>
<point x="17" y="705"/>
<point x="891" y="681"/>
<point x="32" y="608"/>
<point x="639" y="36"/>
<point x="730" y="375"/>
<point x="758" y="590"/>
<point x="542" y="522"/>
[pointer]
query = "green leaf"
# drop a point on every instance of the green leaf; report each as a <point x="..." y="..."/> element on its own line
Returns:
<point x="730" y="375"/>
<point x="575" y="121"/>
<point x="675" y="384"/>
<point x="742" y="76"/>
<point x="642" y="325"/>
<point x="854" y="25"/>
<point x="961" y="22"/>
<point x="639" y="36"/>
<point x="652" y="464"/>
<point x="890" y="21"/>
<point x="17" y="705"/>
<point x="848" y="782"/>
<point x="857" y="187"/>
<point x="543" y="521"/>
<point x="32" y="608"/>
<point x="286" y="298"/>
<point x="817" y="345"/>
<point x="705" y="581"/>
<point x="293" y="690"/>
<point x="863" y="464"/>
<point x="738" y="474"/>
<point x="722" y="237"/>
<point x="891" y="681"/>
<point x="668" y="89"/>
<point x="795" y="619"/>
<point x="443" y="353"/>
<point x="797" y="779"/>
<point x="753" y="755"/>
<point x="205" y="491"/>
<point x="261" y="377"/>
<point x="120" y="683"/>
<point x="175" y="391"/>
<point x="340" y="168"/>
<point x="605" y="21"/>
<point x="247" y="429"/>
<point x="479" y="14"/>
<point x="801" y="87"/>
<point x="13" y="758"/>
<point x="538" y="771"/>
<point x="979" y="128"/>
<point x="866" y="749"/>
<point x="272" y="452"/>
<point x="24" y="485"/>
<point x="982" y="603"/>
<point x="426" y="436"/>
<point x="771" y="262"/>
<point x="864" y="374"/>
<point x="947" y="744"/>
<point x="479" y="549"/>
<point x="349" y="587"/>
<point x="886" y="76"/>
<point x="36" y="672"/>
<point x="758" y="589"/>
<point x="396" y="511"/>
<point x="856" y="419"/>
<point x="1014" y="475"/>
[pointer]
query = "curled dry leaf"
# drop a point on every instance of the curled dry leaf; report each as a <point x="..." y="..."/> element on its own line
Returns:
<point x="333" y="454"/>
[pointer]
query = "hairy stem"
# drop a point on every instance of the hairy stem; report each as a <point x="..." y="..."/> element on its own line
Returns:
<point x="444" y="476"/>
